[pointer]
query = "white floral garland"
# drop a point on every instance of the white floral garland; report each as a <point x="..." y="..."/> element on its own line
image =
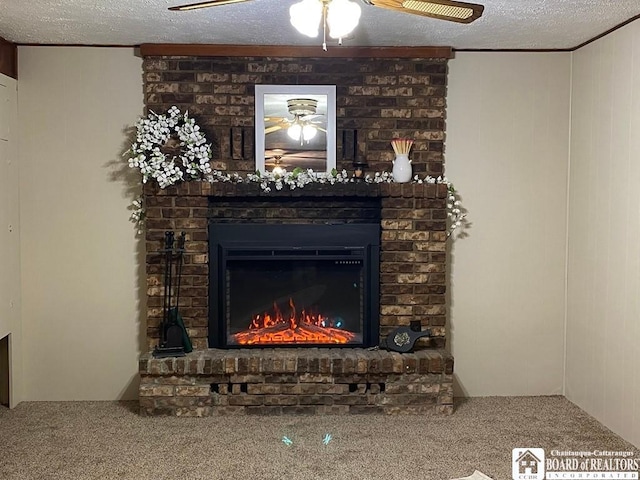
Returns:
<point x="299" y="178"/>
<point x="169" y="148"/>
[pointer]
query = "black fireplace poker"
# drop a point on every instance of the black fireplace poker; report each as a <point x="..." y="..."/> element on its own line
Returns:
<point x="174" y="339"/>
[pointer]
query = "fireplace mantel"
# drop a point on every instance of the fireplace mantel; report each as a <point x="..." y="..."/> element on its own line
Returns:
<point x="351" y="189"/>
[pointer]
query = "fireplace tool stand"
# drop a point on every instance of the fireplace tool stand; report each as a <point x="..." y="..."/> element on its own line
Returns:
<point x="174" y="339"/>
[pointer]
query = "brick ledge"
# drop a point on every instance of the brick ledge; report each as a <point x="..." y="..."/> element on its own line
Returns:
<point x="354" y="189"/>
<point x="283" y="381"/>
<point x="301" y="360"/>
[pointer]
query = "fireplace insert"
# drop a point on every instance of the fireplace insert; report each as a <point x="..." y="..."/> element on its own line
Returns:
<point x="297" y="285"/>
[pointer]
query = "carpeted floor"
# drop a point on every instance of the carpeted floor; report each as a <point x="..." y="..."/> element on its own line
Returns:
<point x="106" y="440"/>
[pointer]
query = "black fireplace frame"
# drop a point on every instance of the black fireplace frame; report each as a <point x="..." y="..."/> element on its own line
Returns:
<point x="338" y="241"/>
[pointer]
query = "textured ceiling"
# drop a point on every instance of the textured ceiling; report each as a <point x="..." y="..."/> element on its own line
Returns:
<point x="505" y="24"/>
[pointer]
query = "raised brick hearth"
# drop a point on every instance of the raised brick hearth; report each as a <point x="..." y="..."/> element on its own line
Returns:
<point x="380" y="97"/>
<point x="307" y="381"/>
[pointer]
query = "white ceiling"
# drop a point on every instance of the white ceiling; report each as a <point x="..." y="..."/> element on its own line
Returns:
<point x="505" y="24"/>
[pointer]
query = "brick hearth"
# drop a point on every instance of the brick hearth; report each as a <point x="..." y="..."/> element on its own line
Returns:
<point x="304" y="381"/>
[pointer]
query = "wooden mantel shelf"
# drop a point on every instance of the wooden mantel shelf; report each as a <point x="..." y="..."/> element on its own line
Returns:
<point x="8" y="58"/>
<point x="208" y="50"/>
<point x="352" y="189"/>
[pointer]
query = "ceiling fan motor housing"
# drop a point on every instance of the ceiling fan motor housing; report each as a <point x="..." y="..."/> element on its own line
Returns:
<point x="302" y="106"/>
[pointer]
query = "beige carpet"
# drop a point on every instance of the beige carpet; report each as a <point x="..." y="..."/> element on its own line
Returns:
<point x="105" y="440"/>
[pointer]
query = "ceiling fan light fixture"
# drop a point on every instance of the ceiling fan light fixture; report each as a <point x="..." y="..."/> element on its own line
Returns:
<point x="343" y="16"/>
<point x="306" y="16"/>
<point x="308" y="132"/>
<point x="294" y="131"/>
<point x="301" y="131"/>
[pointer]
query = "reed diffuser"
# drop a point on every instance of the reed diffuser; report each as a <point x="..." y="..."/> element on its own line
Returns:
<point x="402" y="145"/>
<point x="402" y="164"/>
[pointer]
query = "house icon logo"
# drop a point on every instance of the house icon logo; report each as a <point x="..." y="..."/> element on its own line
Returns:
<point x="528" y="463"/>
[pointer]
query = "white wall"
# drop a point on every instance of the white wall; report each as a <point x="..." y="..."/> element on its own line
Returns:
<point x="81" y="272"/>
<point x="506" y="153"/>
<point x="507" y="150"/>
<point x="82" y="299"/>
<point x="10" y="301"/>
<point x="603" y="322"/>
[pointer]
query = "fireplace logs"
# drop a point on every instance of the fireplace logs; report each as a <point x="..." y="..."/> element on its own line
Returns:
<point x="299" y="328"/>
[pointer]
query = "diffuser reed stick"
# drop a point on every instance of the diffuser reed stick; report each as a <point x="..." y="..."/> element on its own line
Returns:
<point x="401" y="145"/>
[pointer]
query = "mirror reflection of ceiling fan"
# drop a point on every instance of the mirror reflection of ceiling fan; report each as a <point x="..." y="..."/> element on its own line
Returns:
<point x="301" y="128"/>
<point x="280" y="161"/>
<point x="340" y="17"/>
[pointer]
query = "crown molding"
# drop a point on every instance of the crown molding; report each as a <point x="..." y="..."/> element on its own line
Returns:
<point x="207" y="50"/>
<point x="8" y="58"/>
<point x="552" y="50"/>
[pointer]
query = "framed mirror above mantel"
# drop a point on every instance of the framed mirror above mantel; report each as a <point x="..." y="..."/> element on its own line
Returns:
<point x="295" y="127"/>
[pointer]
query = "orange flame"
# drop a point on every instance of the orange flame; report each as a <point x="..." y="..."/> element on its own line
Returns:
<point x="306" y="327"/>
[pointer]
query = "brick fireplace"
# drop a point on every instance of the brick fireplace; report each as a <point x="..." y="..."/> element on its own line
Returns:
<point x="382" y="99"/>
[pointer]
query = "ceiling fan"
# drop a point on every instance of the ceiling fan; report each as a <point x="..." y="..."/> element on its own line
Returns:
<point x="453" y="11"/>
<point x="275" y="163"/>
<point x="301" y="127"/>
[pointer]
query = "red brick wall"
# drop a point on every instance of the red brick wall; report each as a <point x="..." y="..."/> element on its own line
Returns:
<point x="382" y="99"/>
<point x="412" y="263"/>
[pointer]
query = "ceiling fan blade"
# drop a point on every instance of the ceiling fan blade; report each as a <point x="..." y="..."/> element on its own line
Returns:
<point x="210" y="3"/>
<point x="461" y="12"/>
<point x="310" y="117"/>
<point x="270" y="161"/>
<point x="309" y="154"/>
<point x="276" y="119"/>
<point x="275" y="128"/>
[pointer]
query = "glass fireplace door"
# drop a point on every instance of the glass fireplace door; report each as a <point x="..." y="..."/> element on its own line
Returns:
<point x="294" y="300"/>
<point x="293" y="285"/>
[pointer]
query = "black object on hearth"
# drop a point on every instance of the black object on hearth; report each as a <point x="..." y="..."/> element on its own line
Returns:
<point x="403" y="339"/>
<point x="174" y="339"/>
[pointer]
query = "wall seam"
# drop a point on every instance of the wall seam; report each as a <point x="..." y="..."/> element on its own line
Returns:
<point x="568" y="213"/>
